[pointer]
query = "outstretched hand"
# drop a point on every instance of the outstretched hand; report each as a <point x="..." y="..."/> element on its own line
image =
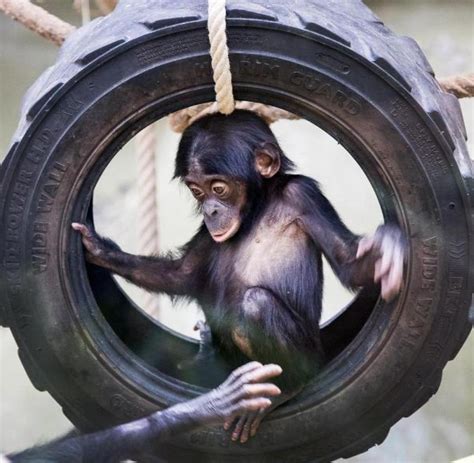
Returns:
<point x="388" y="248"/>
<point x="93" y="243"/>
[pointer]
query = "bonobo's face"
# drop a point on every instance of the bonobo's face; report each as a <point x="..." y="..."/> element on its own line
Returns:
<point x="221" y="201"/>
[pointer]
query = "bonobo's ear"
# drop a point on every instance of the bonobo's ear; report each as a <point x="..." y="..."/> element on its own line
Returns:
<point x="267" y="160"/>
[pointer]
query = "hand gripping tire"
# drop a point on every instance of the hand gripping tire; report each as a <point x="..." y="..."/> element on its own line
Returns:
<point x="338" y="66"/>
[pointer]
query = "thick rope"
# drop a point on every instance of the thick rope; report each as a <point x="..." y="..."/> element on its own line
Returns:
<point x="216" y="25"/>
<point x="106" y="6"/>
<point x="37" y="19"/>
<point x="83" y="7"/>
<point x="180" y="120"/>
<point x="460" y="86"/>
<point x="147" y="204"/>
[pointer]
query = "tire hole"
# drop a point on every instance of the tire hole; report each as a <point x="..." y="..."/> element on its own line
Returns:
<point x="115" y="208"/>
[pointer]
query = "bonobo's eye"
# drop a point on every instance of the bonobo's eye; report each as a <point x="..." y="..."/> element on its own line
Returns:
<point x="220" y="189"/>
<point x="197" y="193"/>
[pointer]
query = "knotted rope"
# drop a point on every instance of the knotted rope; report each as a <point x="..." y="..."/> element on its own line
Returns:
<point x="180" y="120"/>
<point x="222" y="76"/>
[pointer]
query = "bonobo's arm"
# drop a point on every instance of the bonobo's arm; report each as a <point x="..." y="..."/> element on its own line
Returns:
<point x="175" y="276"/>
<point x="244" y="390"/>
<point x="356" y="261"/>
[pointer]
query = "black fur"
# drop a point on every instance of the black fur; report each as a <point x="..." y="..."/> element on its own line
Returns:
<point x="226" y="145"/>
<point x="286" y="330"/>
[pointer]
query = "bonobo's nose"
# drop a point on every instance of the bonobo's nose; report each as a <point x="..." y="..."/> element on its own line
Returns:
<point x="210" y="209"/>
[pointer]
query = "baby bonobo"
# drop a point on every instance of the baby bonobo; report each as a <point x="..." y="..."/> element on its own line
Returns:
<point x="255" y="266"/>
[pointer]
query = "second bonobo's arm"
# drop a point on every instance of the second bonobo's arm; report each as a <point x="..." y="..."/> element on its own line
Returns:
<point x="175" y="276"/>
<point x="357" y="261"/>
<point x="245" y="390"/>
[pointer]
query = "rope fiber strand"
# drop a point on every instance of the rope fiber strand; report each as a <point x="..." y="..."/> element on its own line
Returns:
<point x="216" y="25"/>
<point x="460" y="86"/>
<point x="180" y="120"/>
<point x="147" y="204"/>
<point x="37" y="19"/>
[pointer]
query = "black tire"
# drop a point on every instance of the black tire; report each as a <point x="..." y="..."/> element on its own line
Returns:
<point x="335" y="65"/>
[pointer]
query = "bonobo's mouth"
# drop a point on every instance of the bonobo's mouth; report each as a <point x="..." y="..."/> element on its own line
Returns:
<point x="222" y="236"/>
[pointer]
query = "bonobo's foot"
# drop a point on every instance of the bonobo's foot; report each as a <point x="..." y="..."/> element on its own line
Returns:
<point x="206" y="348"/>
<point x="389" y="248"/>
<point x="247" y="424"/>
<point x="205" y="335"/>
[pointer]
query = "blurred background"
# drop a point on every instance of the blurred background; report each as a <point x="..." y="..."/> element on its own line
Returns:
<point x="441" y="431"/>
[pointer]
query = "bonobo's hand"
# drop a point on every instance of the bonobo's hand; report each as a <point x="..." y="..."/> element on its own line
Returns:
<point x="244" y="390"/>
<point x="96" y="247"/>
<point x="387" y="247"/>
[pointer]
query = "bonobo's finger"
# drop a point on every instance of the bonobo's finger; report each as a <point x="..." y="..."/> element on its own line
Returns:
<point x="262" y="374"/>
<point x="392" y="282"/>
<point x="399" y="260"/>
<point x="81" y="228"/>
<point x="386" y="259"/>
<point x="86" y="232"/>
<point x="236" y="374"/>
<point x="249" y="405"/>
<point x="256" y="375"/>
<point x="228" y="422"/>
<point x="248" y="391"/>
<point x="245" y="434"/>
<point x="238" y="427"/>
<point x="365" y="245"/>
<point x="389" y="289"/>
<point x="386" y="291"/>
<point x="256" y="422"/>
<point x="377" y="266"/>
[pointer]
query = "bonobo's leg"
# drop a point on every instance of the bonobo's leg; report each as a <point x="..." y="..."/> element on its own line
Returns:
<point x="268" y="329"/>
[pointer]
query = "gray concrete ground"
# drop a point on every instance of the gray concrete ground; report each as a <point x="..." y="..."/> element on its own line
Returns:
<point x="443" y="430"/>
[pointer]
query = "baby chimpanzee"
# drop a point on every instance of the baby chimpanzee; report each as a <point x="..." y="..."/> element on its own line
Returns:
<point x="255" y="264"/>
